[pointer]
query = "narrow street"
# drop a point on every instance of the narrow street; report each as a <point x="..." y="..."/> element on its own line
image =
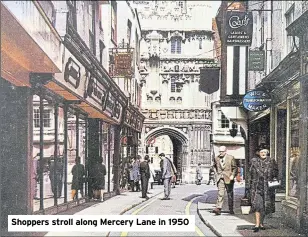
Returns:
<point x="182" y="202"/>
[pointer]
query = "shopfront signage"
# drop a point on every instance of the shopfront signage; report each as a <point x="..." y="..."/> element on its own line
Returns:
<point x="89" y="86"/>
<point x="95" y="90"/>
<point x="123" y="64"/>
<point x="256" y="60"/>
<point x="256" y="101"/>
<point x="238" y="28"/>
<point x="72" y="73"/>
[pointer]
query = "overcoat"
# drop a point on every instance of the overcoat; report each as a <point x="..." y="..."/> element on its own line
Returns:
<point x="261" y="172"/>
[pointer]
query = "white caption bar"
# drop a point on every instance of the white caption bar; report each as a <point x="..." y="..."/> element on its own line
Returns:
<point x="98" y="223"/>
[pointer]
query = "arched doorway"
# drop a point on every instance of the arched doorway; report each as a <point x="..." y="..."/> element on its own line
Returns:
<point x="179" y="142"/>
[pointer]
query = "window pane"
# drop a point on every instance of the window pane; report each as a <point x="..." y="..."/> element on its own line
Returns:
<point x="294" y="148"/>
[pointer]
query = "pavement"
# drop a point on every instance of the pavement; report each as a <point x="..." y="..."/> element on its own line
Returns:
<point x="117" y="205"/>
<point x="239" y="224"/>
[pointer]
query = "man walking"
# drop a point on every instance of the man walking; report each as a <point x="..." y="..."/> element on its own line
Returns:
<point x="145" y="175"/>
<point x="226" y="171"/>
<point x="168" y="170"/>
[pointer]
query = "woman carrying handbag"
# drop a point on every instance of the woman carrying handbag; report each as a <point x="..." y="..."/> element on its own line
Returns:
<point x="263" y="172"/>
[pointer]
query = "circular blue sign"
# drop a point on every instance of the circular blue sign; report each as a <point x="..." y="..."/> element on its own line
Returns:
<point x="257" y="101"/>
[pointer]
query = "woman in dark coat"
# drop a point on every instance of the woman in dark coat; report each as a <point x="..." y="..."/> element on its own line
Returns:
<point x="78" y="173"/>
<point x="99" y="172"/>
<point x="262" y="170"/>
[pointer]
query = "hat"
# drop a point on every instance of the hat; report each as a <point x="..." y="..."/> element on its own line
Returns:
<point x="161" y="154"/>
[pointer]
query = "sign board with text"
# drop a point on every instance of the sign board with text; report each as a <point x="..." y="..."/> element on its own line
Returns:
<point x="123" y="64"/>
<point x="238" y="28"/>
<point x="256" y="60"/>
<point x="257" y="101"/>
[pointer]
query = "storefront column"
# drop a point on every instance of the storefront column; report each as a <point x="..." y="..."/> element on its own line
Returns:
<point x="65" y="111"/>
<point x="303" y="208"/>
<point x="16" y="151"/>
<point x="109" y="156"/>
<point x="93" y="148"/>
<point x="56" y="155"/>
<point x="41" y="160"/>
<point x="116" y="158"/>
<point x="86" y="156"/>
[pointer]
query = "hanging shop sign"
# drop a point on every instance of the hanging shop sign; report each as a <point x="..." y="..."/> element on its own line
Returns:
<point x="256" y="101"/>
<point x="256" y="60"/>
<point x="123" y="64"/>
<point x="238" y="28"/>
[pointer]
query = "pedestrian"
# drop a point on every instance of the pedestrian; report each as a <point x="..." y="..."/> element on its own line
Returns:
<point x="35" y="176"/>
<point x="152" y="175"/>
<point x="226" y="171"/>
<point x="168" y="171"/>
<point x="198" y="174"/>
<point x="135" y="175"/>
<point x="56" y="175"/>
<point x="78" y="172"/>
<point x="211" y="176"/>
<point x="98" y="173"/>
<point x="262" y="170"/>
<point x="145" y="176"/>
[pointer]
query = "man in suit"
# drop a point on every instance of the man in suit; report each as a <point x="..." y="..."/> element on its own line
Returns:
<point x="145" y="176"/>
<point x="226" y="171"/>
<point x="168" y="170"/>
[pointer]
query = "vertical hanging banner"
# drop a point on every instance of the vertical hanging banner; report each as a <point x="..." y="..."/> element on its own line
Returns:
<point x="239" y="28"/>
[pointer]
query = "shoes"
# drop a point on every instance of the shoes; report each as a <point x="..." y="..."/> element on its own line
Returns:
<point x="231" y="212"/>
<point x="165" y="198"/>
<point x="262" y="228"/>
<point x="256" y="229"/>
<point x="217" y="211"/>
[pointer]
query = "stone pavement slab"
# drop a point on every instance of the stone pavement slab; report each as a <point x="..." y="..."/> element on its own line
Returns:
<point x="117" y="205"/>
<point x="222" y="225"/>
<point x="239" y="224"/>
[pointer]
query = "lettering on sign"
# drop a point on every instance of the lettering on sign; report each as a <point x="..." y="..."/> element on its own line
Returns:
<point x="110" y="104"/>
<point x="123" y="64"/>
<point x="117" y="110"/>
<point x="95" y="89"/>
<point x="257" y="101"/>
<point x="239" y="28"/>
<point x="256" y="60"/>
<point x="72" y="73"/>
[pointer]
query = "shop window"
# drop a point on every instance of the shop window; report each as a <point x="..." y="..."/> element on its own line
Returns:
<point x="175" y="45"/>
<point x="46" y="118"/>
<point x="294" y="148"/>
<point x="223" y="122"/>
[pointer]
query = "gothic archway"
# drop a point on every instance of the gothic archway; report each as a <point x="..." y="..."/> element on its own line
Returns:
<point x="180" y="142"/>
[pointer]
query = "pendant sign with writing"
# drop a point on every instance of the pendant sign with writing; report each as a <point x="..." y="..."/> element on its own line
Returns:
<point x="238" y="28"/>
<point x="256" y="101"/>
<point x="123" y="65"/>
<point x="256" y="60"/>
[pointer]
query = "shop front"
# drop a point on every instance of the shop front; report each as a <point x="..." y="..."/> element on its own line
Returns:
<point x="280" y="129"/>
<point x="130" y="133"/>
<point x="23" y="23"/>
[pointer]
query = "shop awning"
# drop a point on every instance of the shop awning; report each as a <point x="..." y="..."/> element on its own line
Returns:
<point x="23" y="23"/>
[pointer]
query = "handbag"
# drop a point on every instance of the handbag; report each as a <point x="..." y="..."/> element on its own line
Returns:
<point x="274" y="184"/>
